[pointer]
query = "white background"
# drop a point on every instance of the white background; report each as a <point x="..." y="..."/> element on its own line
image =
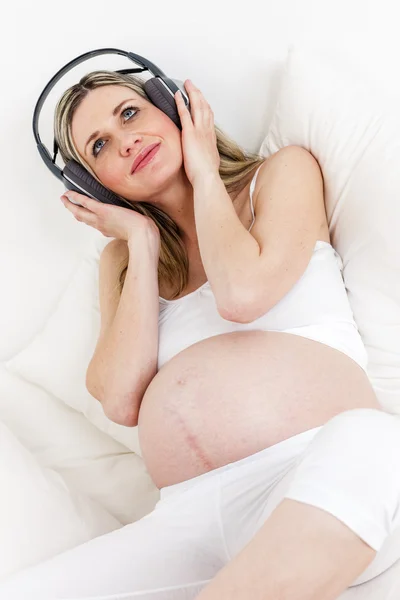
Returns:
<point x="232" y="50"/>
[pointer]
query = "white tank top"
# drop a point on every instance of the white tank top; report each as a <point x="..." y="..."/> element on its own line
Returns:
<point x="316" y="307"/>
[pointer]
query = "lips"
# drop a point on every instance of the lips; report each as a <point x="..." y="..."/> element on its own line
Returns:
<point x="142" y="154"/>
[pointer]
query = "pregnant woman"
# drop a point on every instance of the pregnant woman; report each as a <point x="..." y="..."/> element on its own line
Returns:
<point x="227" y="337"/>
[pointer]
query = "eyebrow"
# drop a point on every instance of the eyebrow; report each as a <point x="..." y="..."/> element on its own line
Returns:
<point x="114" y="112"/>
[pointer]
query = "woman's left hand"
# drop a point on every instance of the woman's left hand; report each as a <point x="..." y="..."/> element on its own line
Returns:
<point x="199" y="141"/>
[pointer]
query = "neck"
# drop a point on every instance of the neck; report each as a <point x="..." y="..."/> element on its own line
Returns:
<point x="178" y="203"/>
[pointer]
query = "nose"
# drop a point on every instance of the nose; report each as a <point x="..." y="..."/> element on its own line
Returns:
<point x="127" y="143"/>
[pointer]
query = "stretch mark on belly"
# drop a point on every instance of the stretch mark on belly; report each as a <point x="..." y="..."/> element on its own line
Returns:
<point x="191" y="439"/>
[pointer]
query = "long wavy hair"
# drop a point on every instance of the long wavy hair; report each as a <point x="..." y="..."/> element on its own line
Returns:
<point x="236" y="167"/>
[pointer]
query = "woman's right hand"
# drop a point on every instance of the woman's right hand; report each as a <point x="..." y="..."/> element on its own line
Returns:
<point x="112" y="221"/>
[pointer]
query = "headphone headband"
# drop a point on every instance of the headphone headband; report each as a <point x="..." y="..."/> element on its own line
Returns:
<point x="136" y="58"/>
<point x="160" y="90"/>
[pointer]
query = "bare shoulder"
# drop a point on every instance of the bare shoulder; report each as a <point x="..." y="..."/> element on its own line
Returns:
<point x="293" y="158"/>
<point x="292" y="152"/>
<point x="289" y="197"/>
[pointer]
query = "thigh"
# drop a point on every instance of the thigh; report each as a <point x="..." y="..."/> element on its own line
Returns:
<point x="170" y="554"/>
<point x="251" y="490"/>
<point x="348" y="469"/>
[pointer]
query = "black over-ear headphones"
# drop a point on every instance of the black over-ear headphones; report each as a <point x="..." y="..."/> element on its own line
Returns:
<point x="161" y="91"/>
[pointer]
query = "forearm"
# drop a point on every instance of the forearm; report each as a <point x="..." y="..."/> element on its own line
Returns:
<point x="132" y="345"/>
<point x="226" y="247"/>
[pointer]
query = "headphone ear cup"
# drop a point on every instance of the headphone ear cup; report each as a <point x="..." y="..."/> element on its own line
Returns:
<point x="85" y="183"/>
<point x="162" y="99"/>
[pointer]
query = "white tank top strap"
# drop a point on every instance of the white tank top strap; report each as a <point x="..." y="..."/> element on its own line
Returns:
<point x="252" y="186"/>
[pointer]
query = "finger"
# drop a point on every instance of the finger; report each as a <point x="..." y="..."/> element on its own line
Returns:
<point x="195" y="101"/>
<point x="183" y="110"/>
<point x="74" y="199"/>
<point x="202" y="114"/>
<point x="79" y="212"/>
<point x="197" y="94"/>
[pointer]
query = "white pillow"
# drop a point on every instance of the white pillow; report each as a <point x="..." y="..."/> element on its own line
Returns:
<point x="39" y="515"/>
<point x="354" y="133"/>
<point x="59" y="355"/>
<point x="62" y="439"/>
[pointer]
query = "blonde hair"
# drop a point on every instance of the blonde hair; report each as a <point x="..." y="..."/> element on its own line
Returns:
<point x="236" y="165"/>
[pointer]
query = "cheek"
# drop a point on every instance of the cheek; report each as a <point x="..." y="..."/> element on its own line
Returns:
<point x="110" y="176"/>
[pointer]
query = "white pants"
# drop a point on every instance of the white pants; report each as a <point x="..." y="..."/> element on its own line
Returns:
<point x="350" y="467"/>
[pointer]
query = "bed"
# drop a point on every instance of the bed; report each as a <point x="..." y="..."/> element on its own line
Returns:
<point x="68" y="473"/>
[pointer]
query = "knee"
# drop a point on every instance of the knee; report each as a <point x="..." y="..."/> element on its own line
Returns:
<point x="365" y="432"/>
<point x="351" y="468"/>
<point x="367" y="425"/>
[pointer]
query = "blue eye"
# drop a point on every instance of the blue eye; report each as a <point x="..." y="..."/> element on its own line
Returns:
<point x="97" y="149"/>
<point x="129" y="108"/>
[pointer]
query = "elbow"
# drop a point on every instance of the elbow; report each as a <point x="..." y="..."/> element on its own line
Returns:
<point x="122" y="411"/>
<point x="235" y="315"/>
<point x="125" y="414"/>
<point x="240" y="316"/>
<point x="240" y="310"/>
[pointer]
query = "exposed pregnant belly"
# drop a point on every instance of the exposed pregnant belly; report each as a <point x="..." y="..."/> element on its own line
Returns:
<point x="234" y="394"/>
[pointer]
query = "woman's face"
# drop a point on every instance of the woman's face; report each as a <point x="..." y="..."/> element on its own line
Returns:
<point x="118" y="138"/>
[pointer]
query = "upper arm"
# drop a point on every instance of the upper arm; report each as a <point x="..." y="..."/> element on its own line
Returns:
<point x="111" y="260"/>
<point x="290" y="213"/>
